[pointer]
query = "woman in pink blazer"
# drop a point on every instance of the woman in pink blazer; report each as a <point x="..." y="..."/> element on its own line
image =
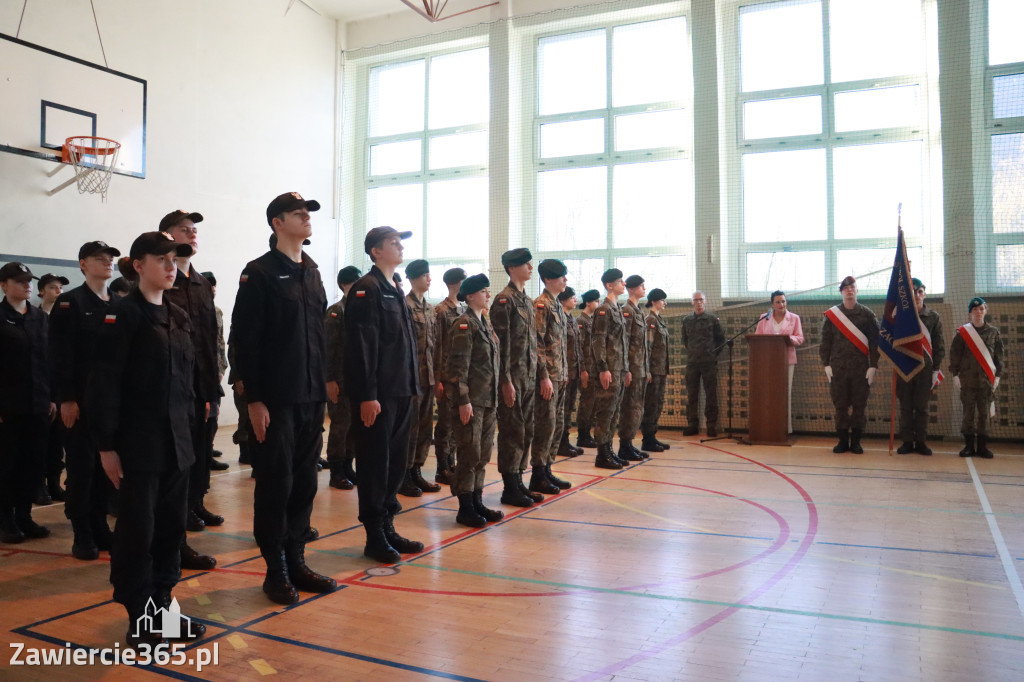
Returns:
<point x="782" y="322"/>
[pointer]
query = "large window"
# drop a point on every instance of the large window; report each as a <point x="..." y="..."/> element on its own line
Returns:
<point x="426" y="157"/>
<point x="1003" y="263"/>
<point x="832" y="137"/>
<point x="611" y="126"/>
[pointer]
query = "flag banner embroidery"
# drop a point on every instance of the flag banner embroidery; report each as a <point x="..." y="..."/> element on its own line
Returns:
<point x="900" y="334"/>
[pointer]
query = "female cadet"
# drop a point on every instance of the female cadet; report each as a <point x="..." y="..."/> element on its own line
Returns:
<point x="784" y="322"/>
<point x="25" y="407"/>
<point x="654" y="397"/>
<point x="138" y="406"/>
<point x="976" y="361"/>
<point x="472" y="371"/>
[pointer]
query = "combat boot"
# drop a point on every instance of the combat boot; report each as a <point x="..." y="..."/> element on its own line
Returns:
<point x="43" y="498"/>
<point x="468" y="515"/>
<point x="651" y="444"/>
<point x="278" y="585"/>
<point x="409" y="487"/>
<point x="491" y="515"/>
<point x="207" y="516"/>
<point x="57" y="494"/>
<point x="663" y="446"/>
<point x="968" y="450"/>
<point x="639" y="453"/>
<point x="906" y="448"/>
<point x="193" y="560"/>
<point x="844" y="441"/>
<point x="982" y="449"/>
<point x="512" y="495"/>
<point x="627" y="453"/>
<point x="540" y="483"/>
<point x="585" y="440"/>
<point x="378" y="548"/>
<point x="691" y="430"/>
<point x="31" y="529"/>
<point x="922" y="448"/>
<point x="561" y="483"/>
<point x="403" y="545"/>
<point x="421" y="483"/>
<point x="339" y="480"/>
<point x="305" y="578"/>
<point x="565" y="448"/>
<point x="347" y="469"/>
<point x="9" y="531"/>
<point x="606" y="459"/>
<point x="855" y="447"/>
<point x="443" y="475"/>
<point x="535" y="496"/>
<point x="84" y="545"/>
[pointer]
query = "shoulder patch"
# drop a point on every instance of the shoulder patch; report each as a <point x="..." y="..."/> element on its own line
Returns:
<point x="65" y="304"/>
<point x="243" y="279"/>
<point x="463" y="325"/>
<point x="334" y="314"/>
<point x="110" y="319"/>
<point x="652" y="326"/>
<point x="540" y="306"/>
<point x="625" y="314"/>
<point x="502" y="300"/>
<point x="600" y="312"/>
<point x="361" y="293"/>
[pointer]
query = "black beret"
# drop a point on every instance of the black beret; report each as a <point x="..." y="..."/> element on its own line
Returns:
<point x="975" y="302"/>
<point x="610" y="276"/>
<point x="348" y="275"/>
<point x="588" y="296"/>
<point x="551" y="268"/>
<point x="210" y="277"/>
<point x="634" y="281"/>
<point x="417" y="268"/>
<point x="567" y="294"/>
<point x="515" y="257"/>
<point x="473" y="284"/>
<point x="454" y="275"/>
<point x="655" y="295"/>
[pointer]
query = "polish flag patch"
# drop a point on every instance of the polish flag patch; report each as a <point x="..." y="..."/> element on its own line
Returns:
<point x="65" y="304"/>
<point x="360" y="294"/>
<point x="600" y="312"/>
<point x="243" y="279"/>
<point x="463" y="325"/>
<point x="334" y="314"/>
<point x="502" y="300"/>
<point x="625" y="314"/>
<point x="540" y="306"/>
<point x="110" y="319"/>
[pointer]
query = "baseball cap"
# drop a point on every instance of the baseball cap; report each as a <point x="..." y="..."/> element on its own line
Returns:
<point x="93" y="248"/>
<point x="378" y="234"/>
<point x="289" y="201"/>
<point x="157" y="244"/>
<point x="175" y="217"/>
<point x="16" y="271"/>
<point x="50" y="277"/>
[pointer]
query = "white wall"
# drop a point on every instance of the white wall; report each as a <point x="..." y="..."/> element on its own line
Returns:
<point x="241" y="107"/>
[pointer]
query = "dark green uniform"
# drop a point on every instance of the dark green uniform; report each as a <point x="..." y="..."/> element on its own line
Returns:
<point x="513" y="321"/>
<point x="472" y="369"/>
<point x="975" y="387"/>
<point x="849" y="386"/>
<point x="445" y="312"/>
<point x="550" y="321"/>
<point x="574" y="363"/>
<point x="703" y="339"/>
<point x="423" y="405"/>
<point x="632" y="411"/>
<point x="654" y="399"/>
<point x="914" y="394"/>
<point x="588" y="395"/>
<point x="339" y="442"/>
<point x="610" y="343"/>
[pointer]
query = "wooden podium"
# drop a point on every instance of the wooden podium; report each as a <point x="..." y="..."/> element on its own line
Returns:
<point x="768" y="406"/>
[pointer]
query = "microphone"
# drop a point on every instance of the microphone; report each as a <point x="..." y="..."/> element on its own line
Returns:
<point x="764" y="317"/>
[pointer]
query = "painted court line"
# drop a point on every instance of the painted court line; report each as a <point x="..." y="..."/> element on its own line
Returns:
<point x="997" y="536"/>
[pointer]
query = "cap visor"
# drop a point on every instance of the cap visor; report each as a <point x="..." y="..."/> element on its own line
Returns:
<point x="312" y="205"/>
<point x="404" y="235"/>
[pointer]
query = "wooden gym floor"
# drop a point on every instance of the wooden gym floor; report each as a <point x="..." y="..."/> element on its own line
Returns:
<point x="713" y="561"/>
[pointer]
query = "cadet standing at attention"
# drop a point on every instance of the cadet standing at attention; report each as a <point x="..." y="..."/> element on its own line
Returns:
<point x="703" y="340"/>
<point x="513" y="321"/>
<point x="588" y="375"/>
<point x="339" y="439"/>
<point x="632" y="411"/>
<point x="381" y="375"/>
<point x="447" y="311"/>
<point x="914" y="394"/>
<point x="849" y="352"/>
<point x="976" y="361"/>
<point x="611" y="363"/>
<point x="574" y="361"/>
<point x="414" y="485"/>
<point x="278" y="335"/>
<point x="473" y="367"/>
<point x="654" y="399"/>
<point x="49" y="490"/>
<point x="552" y="376"/>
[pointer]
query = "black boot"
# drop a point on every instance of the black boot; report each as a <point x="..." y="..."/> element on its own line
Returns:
<point x="606" y="459"/>
<point x="639" y="453"/>
<point x="43" y="498"/>
<point x="193" y="523"/>
<point x="31" y="529"/>
<point x="535" y="496"/>
<point x="9" y="531"/>
<point x="968" y="450"/>
<point x="409" y="487"/>
<point x="339" y="480"/>
<point x="982" y="450"/>
<point x="305" y="578"/>
<point x="855" y="447"/>
<point x="565" y="448"/>
<point x="576" y="451"/>
<point x="348" y="469"/>
<point x="539" y="482"/>
<point x="421" y="483"/>
<point x="921" y="448"/>
<point x="691" y="430"/>
<point x="217" y="465"/>
<point x="243" y="454"/>
<point x="512" y="495"/>
<point x="468" y="515"/>
<point x="194" y="561"/>
<point x="278" y="584"/>
<point x="585" y="440"/>
<point x="560" y="483"/>
<point x="403" y="545"/>
<point x="651" y="444"/>
<point x="101" y="533"/>
<point x="663" y="446"/>
<point x="443" y="475"/>
<point x="207" y="516"/>
<point x="57" y="494"/>
<point x="844" y="441"/>
<point x="490" y="515"/>
<point x="84" y="545"/>
<point x="378" y="548"/>
<point x="906" y="448"/>
<point x="627" y="453"/>
<point x="311" y="535"/>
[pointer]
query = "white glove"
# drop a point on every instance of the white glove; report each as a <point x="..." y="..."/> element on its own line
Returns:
<point x="870" y="376"/>
<point x="956" y="382"/>
<point x="935" y="379"/>
<point x="995" y="384"/>
<point x="828" y="373"/>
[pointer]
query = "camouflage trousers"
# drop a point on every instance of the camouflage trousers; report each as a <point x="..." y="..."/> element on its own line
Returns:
<point x="547" y="427"/>
<point x="606" y="407"/>
<point x="339" y="437"/>
<point x="976" y="399"/>
<point x="421" y="428"/>
<point x="475" y="441"/>
<point x="444" y="435"/>
<point x="632" y="410"/>
<point x="654" y="403"/>
<point x="515" y="430"/>
<point x="572" y="391"/>
<point x="914" y="396"/>
<point x="849" y="389"/>
<point x="588" y="401"/>
<point x="698" y="373"/>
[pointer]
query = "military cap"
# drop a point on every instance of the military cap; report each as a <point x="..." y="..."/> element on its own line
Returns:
<point x="375" y="236"/>
<point x="16" y="271"/>
<point x="289" y="201"/>
<point x="417" y="268"/>
<point x="50" y="277"/>
<point x="655" y="295"/>
<point x="348" y="274"/>
<point x="551" y="268"/>
<point x="472" y="284"/>
<point x="92" y="248"/>
<point x="975" y="302"/>
<point x="454" y="275"/>
<point x="515" y="257"/>
<point x="918" y="284"/>
<point x="611" y="275"/>
<point x="158" y="244"/>
<point x="567" y="294"/>
<point x="175" y="217"/>
<point x="588" y="296"/>
<point x="847" y="281"/>
<point x="634" y="281"/>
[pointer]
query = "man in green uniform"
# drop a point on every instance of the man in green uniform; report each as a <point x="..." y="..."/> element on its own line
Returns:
<point x="340" y="448"/>
<point x="702" y="339"/>
<point x="418" y="274"/>
<point x="914" y="394"/>
<point x="639" y="367"/>
<point x="574" y="362"/>
<point x="654" y="398"/>
<point x="588" y="377"/>
<point x="446" y="312"/>
<point x="611" y="363"/>
<point x="976" y="361"/>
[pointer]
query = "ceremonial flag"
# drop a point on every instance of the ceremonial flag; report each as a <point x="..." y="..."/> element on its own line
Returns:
<point x="900" y="335"/>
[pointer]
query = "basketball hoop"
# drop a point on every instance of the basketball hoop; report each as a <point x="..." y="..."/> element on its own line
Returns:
<point x="93" y="159"/>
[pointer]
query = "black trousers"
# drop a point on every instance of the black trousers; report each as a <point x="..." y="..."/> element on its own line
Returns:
<point x="144" y="558"/>
<point x="54" y="463"/>
<point x="199" y="472"/>
<point x="285" y="468"/>
<point x="381" y="453"/>
<point x="22" y="457"/>
<point x="89" y="489"/>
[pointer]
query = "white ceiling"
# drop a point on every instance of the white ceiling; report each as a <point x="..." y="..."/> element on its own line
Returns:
<point x="352" y="10"/>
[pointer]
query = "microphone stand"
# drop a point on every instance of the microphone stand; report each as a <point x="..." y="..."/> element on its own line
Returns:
<point x="728" y="429"/>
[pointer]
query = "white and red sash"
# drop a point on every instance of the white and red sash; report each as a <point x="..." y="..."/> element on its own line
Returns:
<point x="926" y="341"/>
<point x="979" y="350"/>
<point x="848" y="328"/>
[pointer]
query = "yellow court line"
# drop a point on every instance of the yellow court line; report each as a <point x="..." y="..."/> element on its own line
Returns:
<point x="194" y="582"/>
<point x="217" y="617"/>
<point x="262" y="667"/>
<point x="203" y="600"/>
<point x="237" y="642"/>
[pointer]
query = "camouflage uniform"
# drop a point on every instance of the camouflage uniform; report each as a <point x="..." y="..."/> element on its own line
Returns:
<point x="702" y="338"/>
<point x="550" y="321"/>
<point x="446" y="312"/>
<point x="339" y="439"/>
<point x="975" y="388"/>
<point x="849" y="385"/>
<point x="473" y="366"/>
<point x="632" y="410"/>
<point x="422" y="405"/>
<point x="574" y="362"/>
<point x="585" y="413"/>
<point x="654" y="400"/>
<point x="610" y="344"/>
<point x="513" y="321"/>
<point x="914" y="394"/>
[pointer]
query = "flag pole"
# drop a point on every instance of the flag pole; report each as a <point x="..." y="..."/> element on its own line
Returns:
<point x="892" y="397"/>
